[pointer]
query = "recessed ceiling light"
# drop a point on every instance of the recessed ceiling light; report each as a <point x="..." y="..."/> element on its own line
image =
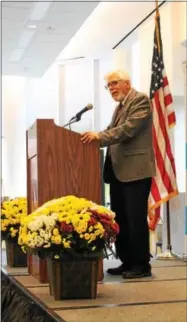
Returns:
<point x="50" y="28"/>
<point x="31" y="26"/>
<point x="25" y="68"/>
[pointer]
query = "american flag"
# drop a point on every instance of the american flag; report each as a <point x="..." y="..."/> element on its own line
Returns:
<point x="164" y="185"/>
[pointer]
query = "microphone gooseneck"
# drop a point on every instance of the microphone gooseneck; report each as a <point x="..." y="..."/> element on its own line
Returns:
<point x="85" y="109"/>
<point x="77" y="117"/>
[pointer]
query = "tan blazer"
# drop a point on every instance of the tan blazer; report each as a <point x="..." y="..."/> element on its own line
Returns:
<point x="130" y="139"/>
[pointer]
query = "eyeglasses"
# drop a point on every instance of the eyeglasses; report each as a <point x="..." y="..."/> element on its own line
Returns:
<point x="112" y="83"/>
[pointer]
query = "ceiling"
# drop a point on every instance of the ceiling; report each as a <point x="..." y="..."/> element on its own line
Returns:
<point x="35" y="34"/>
<point x="106" y="26"/>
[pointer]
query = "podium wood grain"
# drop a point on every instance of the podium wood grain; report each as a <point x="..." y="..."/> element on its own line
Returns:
<point x="59" y="164"/>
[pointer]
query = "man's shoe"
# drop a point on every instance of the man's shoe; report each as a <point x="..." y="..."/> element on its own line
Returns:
<point x="118" y="270"/>
<point x="136" y="274"/>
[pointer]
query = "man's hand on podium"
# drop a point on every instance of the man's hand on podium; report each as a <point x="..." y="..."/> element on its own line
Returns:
<point x="89" y="137"/>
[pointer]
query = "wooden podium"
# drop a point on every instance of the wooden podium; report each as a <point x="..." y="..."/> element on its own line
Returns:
<point x="59" y="164"/>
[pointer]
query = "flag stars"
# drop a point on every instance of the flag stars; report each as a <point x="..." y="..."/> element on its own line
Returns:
<point x="156" y="72"/>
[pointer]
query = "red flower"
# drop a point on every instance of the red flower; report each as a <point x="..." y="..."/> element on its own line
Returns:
<point x="115" y="227"/>
<point x="105" y="221"/>
<point x="66" y="228"/>
<point x="94" y="212"/>
<point x="105" y="216"/>
<point x="106" y="235"/>
<point x="92" y="221"/>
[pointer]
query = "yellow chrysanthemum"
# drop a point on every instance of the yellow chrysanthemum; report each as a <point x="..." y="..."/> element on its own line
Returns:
<point x="66" y="243"/>
<point x="87" y="236"/>
<point x="55" y="232"/>
<point x="14" y="232"/>
<point x="3" y="228"/>
<point x="12" y="211"/>
<point x="57" y="239"/>
<point x="56" y="222"/>
<point x="93" y="237"/>
<point x="81" y="228"/>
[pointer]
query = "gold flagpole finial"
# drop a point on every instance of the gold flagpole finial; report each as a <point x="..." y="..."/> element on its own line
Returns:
<point x="157" y="11"/>
<point x="156" y="25"/>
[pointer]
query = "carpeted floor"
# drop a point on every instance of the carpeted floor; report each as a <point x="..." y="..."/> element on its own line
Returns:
<point x="162" y="298"/>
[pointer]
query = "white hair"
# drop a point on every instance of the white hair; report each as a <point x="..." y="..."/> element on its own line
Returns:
<point x="119" y="74"/>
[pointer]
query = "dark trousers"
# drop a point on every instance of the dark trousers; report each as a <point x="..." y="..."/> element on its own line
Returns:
<point x="129" y="200"/>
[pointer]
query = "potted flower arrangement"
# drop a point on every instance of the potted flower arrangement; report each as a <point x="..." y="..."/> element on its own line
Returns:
<point x="11" y="213"/>
<point x="71" y="233"/>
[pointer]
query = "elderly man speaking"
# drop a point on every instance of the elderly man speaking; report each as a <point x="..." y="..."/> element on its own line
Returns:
<point x="129" y="168"/>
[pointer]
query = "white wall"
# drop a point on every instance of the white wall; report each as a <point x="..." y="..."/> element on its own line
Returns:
<point x="146" y="38"/>
<point x="178" y="51"/>
<point x="182" y="21"/>
<point x="14" y="145"/>
<point x="107" y="104"/>
<point x="24" y="100"/>
<point x="179" y="141"/>
<point x="135" y="51"/>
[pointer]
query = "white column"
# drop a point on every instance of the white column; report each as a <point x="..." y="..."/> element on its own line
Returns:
<point x="33" y="100"/>
<point x="75" y="91"/>
<point x="61" y="93"/>
<point x="14" y="126"/>
<point x="105" y="102"/>
<point x="96" y="95"/>
<point x="42" y="96"/>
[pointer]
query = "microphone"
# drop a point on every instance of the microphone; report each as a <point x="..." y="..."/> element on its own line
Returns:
<point x="85" y="109"/>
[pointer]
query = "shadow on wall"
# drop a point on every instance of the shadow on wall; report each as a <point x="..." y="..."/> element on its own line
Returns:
<point x="177" y="224"/>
